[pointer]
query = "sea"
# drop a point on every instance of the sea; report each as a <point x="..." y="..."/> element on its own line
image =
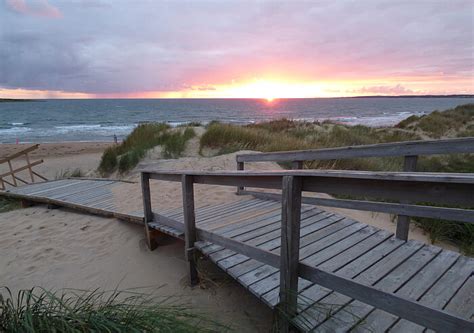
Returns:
<point x="57" y="120"/>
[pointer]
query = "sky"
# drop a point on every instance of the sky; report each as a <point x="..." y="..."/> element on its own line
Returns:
<point x="235" y="49"/>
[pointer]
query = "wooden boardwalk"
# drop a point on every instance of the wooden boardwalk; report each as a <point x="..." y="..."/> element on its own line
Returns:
<point x="87" y="195"/>
<point x="427" y="274"/>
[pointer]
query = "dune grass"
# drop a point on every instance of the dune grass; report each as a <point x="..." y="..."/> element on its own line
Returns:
<point x="8" y="204"/>
<point x="128" y="154"/>
<point x="40" y="310"/>
<point x="68" y="173"/>
<point x="453" y="122"/>
<point x="283" y="134"/>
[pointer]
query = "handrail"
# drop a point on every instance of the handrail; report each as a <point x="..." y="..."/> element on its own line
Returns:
<point x="410" y="150"/>
<point x="442" y="187"/>
<point x="12" y="171"/>
<point x="407" y="148"/>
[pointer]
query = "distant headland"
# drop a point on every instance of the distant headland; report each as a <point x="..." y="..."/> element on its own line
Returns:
<point x="6" y="100"/>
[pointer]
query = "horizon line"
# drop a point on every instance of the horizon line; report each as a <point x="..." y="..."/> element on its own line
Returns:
<point x="253" y="98"/>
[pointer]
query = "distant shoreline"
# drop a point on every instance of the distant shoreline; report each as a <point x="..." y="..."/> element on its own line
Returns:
<point x="6" y="100"/>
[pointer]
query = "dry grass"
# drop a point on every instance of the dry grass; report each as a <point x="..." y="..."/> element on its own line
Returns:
<point x="282" y="135"/>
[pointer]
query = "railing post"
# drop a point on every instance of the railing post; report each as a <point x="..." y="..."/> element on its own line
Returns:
<point x="290" y="247"/>
<point x="12" y="171"/>
<point x="147" y="212"/>
<point x="189" y="227"/>
<point x="240" y="166"/>
<point x="29" y="168"/>
<point x="297" y="165"/>
<point x="403" y="223"/>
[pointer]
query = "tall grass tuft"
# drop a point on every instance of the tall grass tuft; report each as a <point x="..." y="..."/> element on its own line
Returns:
<point x="128" y="154"/>
<point x="39" y="310"/>
<point x="175" y="143"/>
<point x="8" y="204"/>
<point x="68" y="173"/>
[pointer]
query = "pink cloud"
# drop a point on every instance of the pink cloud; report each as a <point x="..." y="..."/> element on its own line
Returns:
<point x="39" y="8"/>
<point x="385" y="90"/>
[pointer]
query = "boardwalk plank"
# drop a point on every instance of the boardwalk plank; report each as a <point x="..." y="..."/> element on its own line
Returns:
<point x="380" y="320"/>
<point x="334" y="301"/>
<point x="344" y="319"/>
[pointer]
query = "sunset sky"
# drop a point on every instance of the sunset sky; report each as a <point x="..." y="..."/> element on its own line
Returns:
<point x="258" y="49"/>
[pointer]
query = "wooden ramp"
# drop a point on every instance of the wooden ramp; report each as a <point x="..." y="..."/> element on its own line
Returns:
<point x="87" y="195"/>
<point x="428" y="274"/>
<point x="423" y="273"/>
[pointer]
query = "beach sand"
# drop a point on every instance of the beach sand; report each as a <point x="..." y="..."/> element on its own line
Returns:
<point x="63" y="249"/>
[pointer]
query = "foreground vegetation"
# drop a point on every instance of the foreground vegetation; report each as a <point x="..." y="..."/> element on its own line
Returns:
<point x="39" y="310"/>
<point x="281" y="135"/>
<point x="8" y="204"/>
<point x="126" y="155"/>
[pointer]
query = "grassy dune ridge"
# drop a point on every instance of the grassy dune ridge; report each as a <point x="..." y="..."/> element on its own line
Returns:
<point x="284" y="134"/>
<point x="126" y="155"/>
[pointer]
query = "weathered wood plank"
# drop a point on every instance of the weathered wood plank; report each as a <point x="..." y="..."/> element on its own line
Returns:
<point x="290" y="247"/>
<point x="453" y="214"/>
<point x="323" y="254"/>
<point x="147" y="211"/>
<point x="403" y="223"/>
<point x="343" y="319"/>
<point x="240" y="167"/>
<point x="379" y="320"/>
<point x="189" y="227"/>
<point x="426" y="147"/>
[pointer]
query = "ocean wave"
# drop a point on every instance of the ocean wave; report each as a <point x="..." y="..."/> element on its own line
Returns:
<point x="97" y="128"/>
<point x="14" y="130"/>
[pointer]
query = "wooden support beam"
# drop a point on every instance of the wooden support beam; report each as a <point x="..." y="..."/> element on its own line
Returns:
<point x="403" y="223"/>
<point x="189" y="227"/>
<point x="407" y="148"/>
<point x="290" y="247"/>
<point x="40" y="176"/>
<point x="147" y="211"/>
<point x="297" y="165"/>
<point x="29" y="167"/>
<point x="12" y="173"/>
<point x="240" y="167"/>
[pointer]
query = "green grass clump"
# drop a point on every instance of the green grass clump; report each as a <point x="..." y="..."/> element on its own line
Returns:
<point x="175" y="143"/>
<point x="128" y="154"/>
<point x="446" y="123"/>
<point x="109" y="160"/>
<point x="281" y="135"/>
<point x="39" y="310"/>
<point x="130" y="159"/>
<point x="8" y="204"/>
<point x="190" y="124"/>
<point x="68" y="173"/>
<point x="461" y="234"/>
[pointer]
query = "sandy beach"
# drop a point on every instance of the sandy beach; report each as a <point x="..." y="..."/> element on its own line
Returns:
<point x="63" y="249"/>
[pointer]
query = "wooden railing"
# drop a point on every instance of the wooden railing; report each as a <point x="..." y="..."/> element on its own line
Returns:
<point x="410" y="150"/>
<point x="401" y="186"/>
<point x="13" y="172"/>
